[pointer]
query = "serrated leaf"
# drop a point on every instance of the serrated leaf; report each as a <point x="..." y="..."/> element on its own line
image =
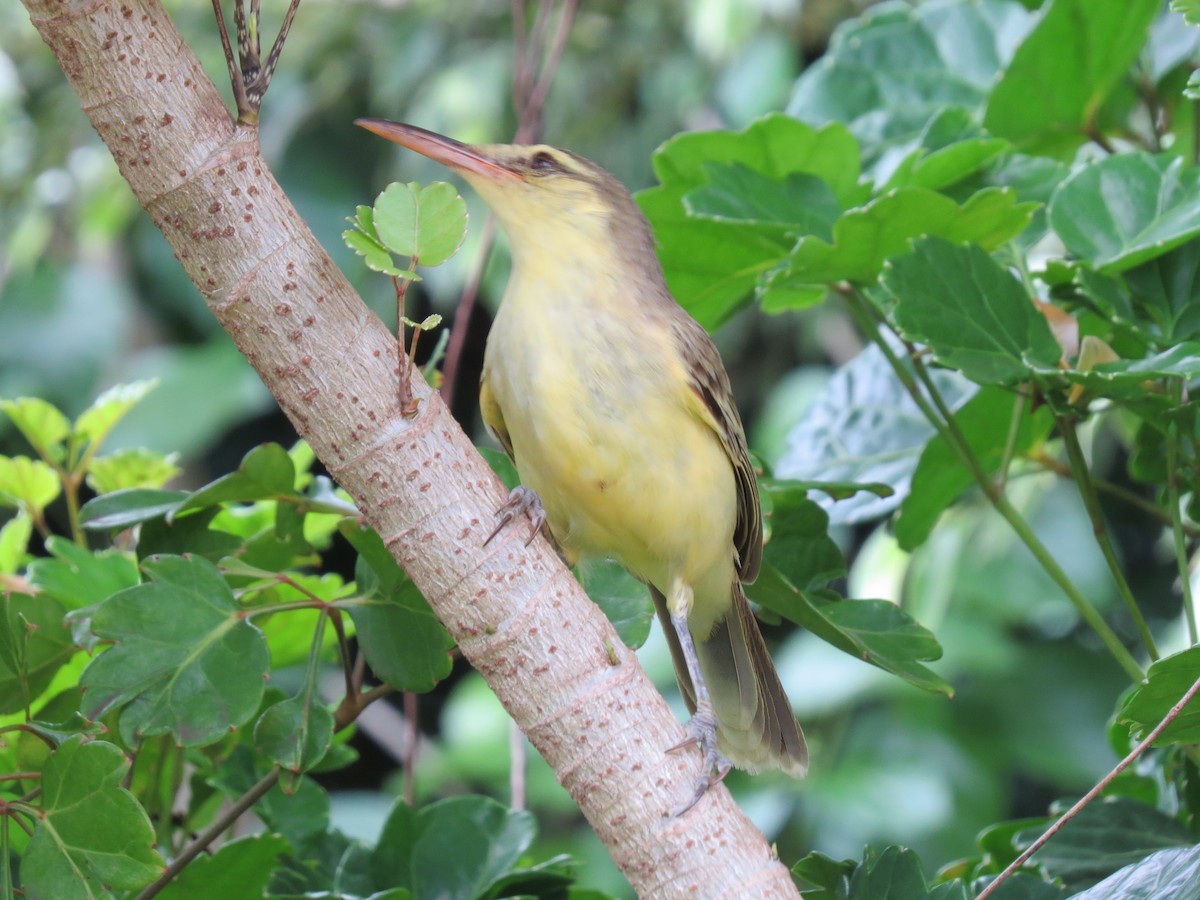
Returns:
<point x="404" y="643"/>
<point x="798" y="204"/>
<point x="1126" y="209"/>
<point x="95" y="422"/>
<point x="950" y="147"/>
<point x="941" y="476"/>
<point x="133" y="467"/>
<point x="185" y="660"/>
<point x="973" y="314"/>
<point x="78" y="577"/>
<point x="1167" y="681"/>
<point x="874" y="631"/>
<point x="374" y="254"/>
<point x="265" y="473"/>
<point x="895" y="874"/>
<point x="624" y="599"/>
<point x="92" y="834"/>
<point x="1074" y="57"/>
<point x="34" y="645"/>
<point x="864" y="238"/>
<point x="28" y="483"/>
<point x="43" y="425"/>
<point x="427" y="222"/>
<point x="296" y="733"/>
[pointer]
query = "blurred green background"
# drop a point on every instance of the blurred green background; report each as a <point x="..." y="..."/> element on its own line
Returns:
<point x="91" y="296"/>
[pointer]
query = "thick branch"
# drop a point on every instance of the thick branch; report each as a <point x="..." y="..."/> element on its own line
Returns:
<point x="517" y="614"/>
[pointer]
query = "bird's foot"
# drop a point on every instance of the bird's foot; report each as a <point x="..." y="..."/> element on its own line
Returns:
<point x="520" y="500"/>
<point x="702" y="731"/>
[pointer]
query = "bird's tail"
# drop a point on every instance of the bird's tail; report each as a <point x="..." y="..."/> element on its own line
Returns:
<point x="756" y="728"/>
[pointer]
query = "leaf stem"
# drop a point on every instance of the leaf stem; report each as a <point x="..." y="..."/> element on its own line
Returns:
<point x="1010" y="442"/>
<point x="211" y="833"/>
<point x="943" y="422"/>
<point x="1091" y="795"/>
<point x="1173" y="500"/>
<point x="1091" y="502"/>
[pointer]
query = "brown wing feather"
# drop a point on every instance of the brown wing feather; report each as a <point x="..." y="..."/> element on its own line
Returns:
<point x="708" y="380"/>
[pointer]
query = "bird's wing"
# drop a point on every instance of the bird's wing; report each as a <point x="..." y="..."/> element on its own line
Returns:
<point x="710" y="386"/>
<point x="493" y="418"/>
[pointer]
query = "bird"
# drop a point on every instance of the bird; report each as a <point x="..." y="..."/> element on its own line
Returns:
<point x="615" y="407"/>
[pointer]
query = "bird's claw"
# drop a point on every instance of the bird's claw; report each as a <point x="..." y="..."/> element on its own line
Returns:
<point x="702" y="732"/>
<point x="520" y="500"/>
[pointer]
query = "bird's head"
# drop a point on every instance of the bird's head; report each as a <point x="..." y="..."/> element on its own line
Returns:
<point x="544" y="197"/>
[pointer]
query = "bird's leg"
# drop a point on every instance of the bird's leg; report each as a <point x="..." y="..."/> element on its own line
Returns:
<point x="520" y="500"/>
<point x="702" y="727"/>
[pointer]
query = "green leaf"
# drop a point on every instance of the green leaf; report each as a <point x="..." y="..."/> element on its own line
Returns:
<point x="1071" y="61"/>
<point x="296" y="733"/>
<point x="711" y="266"/>
<point x="404" y="643"/>
<point x="1126" y="378"/>
<point x="484" y="839"/>
<point x="974" y="315"/>
<point x="42" y="424"/>
<point x="14" y="543"/>
<point x="622" y="597"/>
<point x="185" y="660"/>
<point x="895" y="874"/>
<point x="1166" y="290"/>
<point x="374" y="254"/>
<point x="864" y="238"/>
<point x="133" y="467"/>
<point x="238" y="869"/>
<point x="1189" y="8"/>
<point x="864" y="426"/>
<point x="823" y="876"/>
<point x="34" y="644"/>
<point x="129" y="506"/>
<point x="28" y="483"/>
<point x="876" y="631"/>
<point x="426" y="222"/>
<point x="1106" y="834"/>
<point x="1167" y="681"/>
<point x="1173" y="873"/>
<point x="92" y="833"/>
<point x="798" y="204"/>
<point x="265" y="473"/>
<point x="949" y="148"/>
<point x="941" y="477"/>
<point x="77" y="577"/>
<point x="798" y="542"/>
<point x="95" y="422"/>
<point x="1126" y="209"/>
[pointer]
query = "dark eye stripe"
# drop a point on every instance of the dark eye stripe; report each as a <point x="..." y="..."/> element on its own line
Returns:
<point x="544" y="162"/>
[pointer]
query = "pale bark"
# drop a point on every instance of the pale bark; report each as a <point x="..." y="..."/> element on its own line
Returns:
<point x="549" y="654"/>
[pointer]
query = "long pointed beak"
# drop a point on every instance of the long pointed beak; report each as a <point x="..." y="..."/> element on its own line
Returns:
<point x="449" y="152"/>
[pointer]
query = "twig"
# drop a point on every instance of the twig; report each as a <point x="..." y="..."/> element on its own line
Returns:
<point x="1091" y="795"/>
<point x="1181" y="557"/>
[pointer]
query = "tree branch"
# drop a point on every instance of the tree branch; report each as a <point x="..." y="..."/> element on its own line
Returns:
<point x="516" y="612"/>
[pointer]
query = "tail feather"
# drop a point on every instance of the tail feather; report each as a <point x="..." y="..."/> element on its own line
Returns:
<point x="756" y="728"/>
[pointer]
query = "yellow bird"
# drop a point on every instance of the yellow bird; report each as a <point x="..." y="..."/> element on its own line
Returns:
<point x="614" y="405"/>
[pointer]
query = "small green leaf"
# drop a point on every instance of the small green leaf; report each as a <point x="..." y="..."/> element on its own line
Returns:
<point x="296" y="733"/>
<point x="185" y="660"/>
<point x="34" y="645"/>
<point x="92" y="834"/>
<point x="427" y="222"/>
<point x="42" y="424"/>
<point x="374" y="254"/>
<point x="130" y="506"/>
<point x="28" y="483"/>
<point x="95" y="422"/>
<point x="623" y="598"/>
<point x="239" y="869"/>
<point x="1167" y="681"/>
<point x="14" y="543"/>
<point x="974" y="315"/>
<point x="133" y="467"/>
<point x="876" y="631"/>
<point x="265" y="473"/>
<point x="78" y="577"/>
<point x="1127" y="208"/>
<point x="404" y="643"/>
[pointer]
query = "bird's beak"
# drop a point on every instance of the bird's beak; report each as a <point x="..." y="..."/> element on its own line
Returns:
<point x="449" y="152"/>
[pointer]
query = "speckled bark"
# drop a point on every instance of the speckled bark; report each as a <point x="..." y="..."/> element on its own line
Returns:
<point x="520" y="618"/>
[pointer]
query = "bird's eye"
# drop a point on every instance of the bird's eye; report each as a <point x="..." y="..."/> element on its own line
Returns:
<point x="543" y="162"/>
